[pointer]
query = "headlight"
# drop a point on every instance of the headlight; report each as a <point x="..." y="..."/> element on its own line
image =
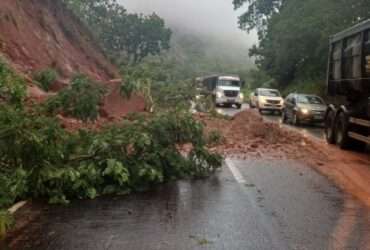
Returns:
<point x="219" y="94"/>
<point x="263" y="101"/>
<point x="241" y="95"/>
<point x="305" y="111"/>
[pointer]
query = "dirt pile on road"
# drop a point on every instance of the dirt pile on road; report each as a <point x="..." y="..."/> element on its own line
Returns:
<point x="247" y="134"/>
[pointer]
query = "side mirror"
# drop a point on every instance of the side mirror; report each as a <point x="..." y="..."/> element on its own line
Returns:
<point x="255" y="94"/>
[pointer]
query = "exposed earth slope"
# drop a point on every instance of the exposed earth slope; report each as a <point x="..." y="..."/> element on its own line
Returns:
<point x="40" y="34"/>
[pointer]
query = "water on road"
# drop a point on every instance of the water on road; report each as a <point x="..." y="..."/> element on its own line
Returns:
<point x="249" y="204"/>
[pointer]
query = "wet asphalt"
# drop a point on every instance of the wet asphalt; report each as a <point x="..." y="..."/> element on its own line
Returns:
<point x="249" y="204"/>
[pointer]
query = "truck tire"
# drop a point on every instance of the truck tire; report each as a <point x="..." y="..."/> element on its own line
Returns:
<point x="238" y="106"/>
<point x="330" y="127"/>
<point x="341" y="131"/>
<point x="342" y="138"/>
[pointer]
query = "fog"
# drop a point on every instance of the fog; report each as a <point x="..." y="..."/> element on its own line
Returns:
<point x="215" y="19"/>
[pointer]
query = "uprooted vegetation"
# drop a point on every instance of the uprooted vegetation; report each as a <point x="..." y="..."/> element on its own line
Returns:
<point x="47" y="161"/>
<point x="40" y="159"/>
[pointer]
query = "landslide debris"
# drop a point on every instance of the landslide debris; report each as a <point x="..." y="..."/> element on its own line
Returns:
<point x="36" y="35"/>
<point x="248" y="135"/>
<point x="40" y="34"/>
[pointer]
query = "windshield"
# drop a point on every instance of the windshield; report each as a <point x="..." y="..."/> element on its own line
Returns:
<point x="308" y="99"/>
<point x="229" y="83"/>
<point x="270" y="93"/>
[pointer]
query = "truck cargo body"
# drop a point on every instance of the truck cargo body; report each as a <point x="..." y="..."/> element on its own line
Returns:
<point x="348" y="87"/>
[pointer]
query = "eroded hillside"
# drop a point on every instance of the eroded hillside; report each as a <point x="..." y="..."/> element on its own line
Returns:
<point x="40" y="34"/>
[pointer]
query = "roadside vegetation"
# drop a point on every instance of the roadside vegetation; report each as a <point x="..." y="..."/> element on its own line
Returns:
<point x="39" y="159"/>
<point x="294" y="36"/>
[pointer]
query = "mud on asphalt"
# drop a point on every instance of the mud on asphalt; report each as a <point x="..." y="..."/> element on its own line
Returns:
<point x="248" y="135"/>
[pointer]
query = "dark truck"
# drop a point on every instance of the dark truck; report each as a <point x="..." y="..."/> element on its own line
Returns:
<point x="347" y="119"/>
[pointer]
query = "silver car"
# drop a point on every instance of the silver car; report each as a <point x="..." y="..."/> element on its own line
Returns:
<point x="299" y="108"/>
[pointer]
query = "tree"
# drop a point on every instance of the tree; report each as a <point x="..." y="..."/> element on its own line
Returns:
<point x="130" y="37"/>
<point x="294" y="34"/>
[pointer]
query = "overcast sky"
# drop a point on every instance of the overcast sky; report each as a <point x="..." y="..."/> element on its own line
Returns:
<point x="212" y="17"/>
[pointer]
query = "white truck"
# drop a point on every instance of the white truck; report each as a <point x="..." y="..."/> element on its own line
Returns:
<point x="225" y="89"/>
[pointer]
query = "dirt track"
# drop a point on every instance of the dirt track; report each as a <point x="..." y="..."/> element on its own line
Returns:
<point x="247" y="135"/>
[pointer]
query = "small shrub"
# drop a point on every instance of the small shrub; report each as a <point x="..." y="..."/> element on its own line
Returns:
<point x="45" y="78"/>
<point x="81" y="100"/>
<point x="128" y="88"/>
<point x="214" y="138"/>
<point x="12" y="87"/>
<point x="6" y="222"/>
<point x="13" y="185"/>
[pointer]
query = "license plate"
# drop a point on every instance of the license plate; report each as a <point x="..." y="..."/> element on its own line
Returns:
<point x="230" y="100"/>
<point x="318" y="117"/>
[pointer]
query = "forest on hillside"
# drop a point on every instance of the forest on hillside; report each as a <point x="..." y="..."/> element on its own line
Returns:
<point x="294" y="36"/>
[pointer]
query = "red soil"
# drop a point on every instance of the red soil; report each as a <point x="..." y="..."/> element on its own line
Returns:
<point x="40" y="34"/>
<point x="248" y="135"/>
<point x="115" y="106"/>
<point x="37" y="34"/>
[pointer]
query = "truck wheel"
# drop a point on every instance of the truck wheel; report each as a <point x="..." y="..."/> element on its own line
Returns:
<point x="341" y="131"/>
<point x="238" y="106"/>
<point x="329" y="127"/>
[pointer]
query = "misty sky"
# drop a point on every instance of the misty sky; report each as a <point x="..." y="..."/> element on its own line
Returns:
<point x="212" y="17"/>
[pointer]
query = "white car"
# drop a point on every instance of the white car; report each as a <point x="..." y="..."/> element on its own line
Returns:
<point x="268" y="100"/>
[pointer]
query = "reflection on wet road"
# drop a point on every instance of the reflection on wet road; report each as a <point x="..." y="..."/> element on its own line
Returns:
<point x="249" y="204"/>
<point x="315" y="131"/>
<point x="254" y="204"/>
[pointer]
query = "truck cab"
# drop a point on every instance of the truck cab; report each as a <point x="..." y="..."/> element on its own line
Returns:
<point x="347" y="119"/>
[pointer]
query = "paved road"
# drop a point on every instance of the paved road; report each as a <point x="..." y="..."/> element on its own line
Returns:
<point x="249" y="204"/>
<point x="315" y="131"/>
<point x="252" y="204"/>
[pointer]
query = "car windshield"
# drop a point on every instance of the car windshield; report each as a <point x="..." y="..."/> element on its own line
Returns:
<point x="270" y="93"/>
<point x="309" y="99"/>
<point x="229" y="83"/>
